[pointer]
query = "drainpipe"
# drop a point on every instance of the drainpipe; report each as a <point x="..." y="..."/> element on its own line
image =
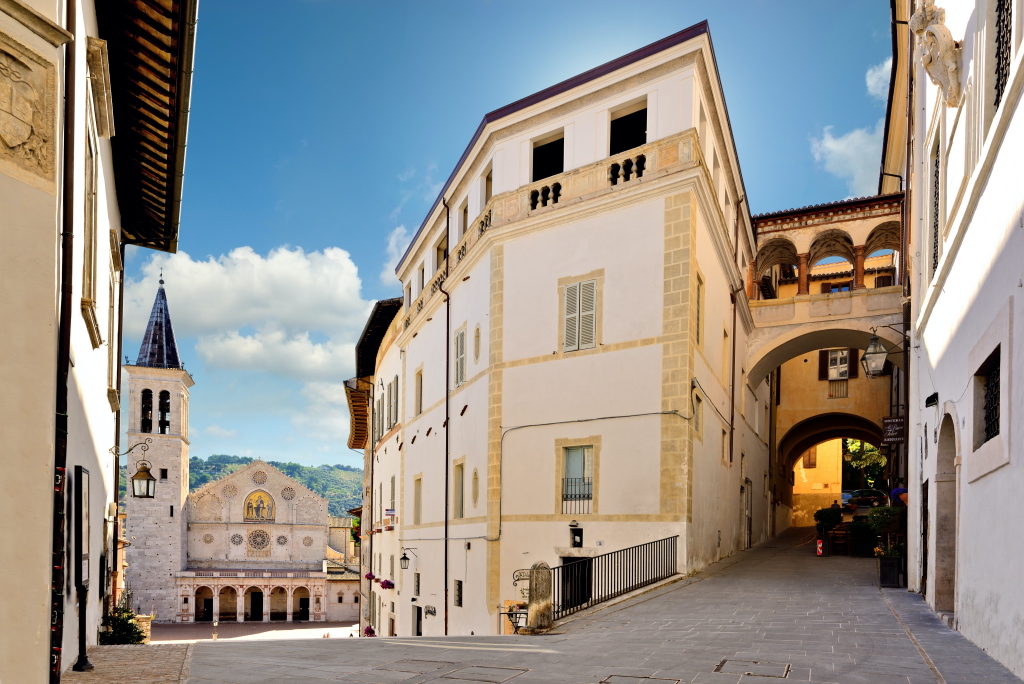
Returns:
<point x="58" y="563"/>
<point x="447" y="414"/>
<point x="369" y="583"/>
<point x="732" y="369"/>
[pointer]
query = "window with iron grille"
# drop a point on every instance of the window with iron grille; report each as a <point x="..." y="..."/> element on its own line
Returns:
<point x="578" y="480"/>
<point x="992" y="401"/>
<point x="935" y="211"/>
<point x="1004" y="13"/>
<point x="458" y="593"/>
<point x="416" y="584"/>
<point x="986" y="400"/>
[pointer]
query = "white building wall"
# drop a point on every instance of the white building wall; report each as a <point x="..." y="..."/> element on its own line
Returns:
<point x="961" y="313"/>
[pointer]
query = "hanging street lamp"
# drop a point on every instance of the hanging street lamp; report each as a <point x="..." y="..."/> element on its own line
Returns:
<point x="874" y="358"/>
<point x="143" y="482"/>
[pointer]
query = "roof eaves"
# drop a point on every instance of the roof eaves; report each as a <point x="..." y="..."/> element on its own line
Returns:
<point x="813" y="208"/>
<point x="654" y="48"/>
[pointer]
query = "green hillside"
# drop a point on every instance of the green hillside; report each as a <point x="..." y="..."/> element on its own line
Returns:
<point x="341" y="485"/>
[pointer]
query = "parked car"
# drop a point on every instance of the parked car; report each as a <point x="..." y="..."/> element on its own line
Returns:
<point x="869" y="497"/>
<point x="848" y="502"/>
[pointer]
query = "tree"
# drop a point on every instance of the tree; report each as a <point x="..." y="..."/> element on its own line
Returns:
<point x="867" y="465"/>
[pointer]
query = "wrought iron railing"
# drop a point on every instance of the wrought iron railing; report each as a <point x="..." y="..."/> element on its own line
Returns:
<point x="577" y="492"/>
<point x="589" y="581"/>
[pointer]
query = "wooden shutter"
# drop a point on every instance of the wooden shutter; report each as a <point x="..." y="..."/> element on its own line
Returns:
<point x="588" y="314"/>
<point x="852" y="366"/>
<point x="396" y="401"/>
<point x="823" y="364"/>
<point x="572" y="317"/>
<point x="826" y="288"/>
<point x="460" y="358"/>
<point x="389" y="423"/>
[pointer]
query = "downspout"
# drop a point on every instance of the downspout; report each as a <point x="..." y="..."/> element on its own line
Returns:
<point x="60" y="460"/>
<point x="732" y="364"/>
<point x="447" y="398"/>
<point x="113" y="567"/>
<point x="370" y="450"/>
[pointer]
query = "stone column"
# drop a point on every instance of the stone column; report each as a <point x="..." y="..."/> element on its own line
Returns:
<point x="750" y="280"/>
<point x="240" y="605"/>
<point x="805" y="276"/>
<point x="266" y="604"/>
<point x="216" y="603"/>
<point x="858" y="267"/>
<point x="290" y="598"/>
<point x="540" y="612"/>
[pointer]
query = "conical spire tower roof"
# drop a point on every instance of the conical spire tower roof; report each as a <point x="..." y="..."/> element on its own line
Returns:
<point x="158" y="347"/>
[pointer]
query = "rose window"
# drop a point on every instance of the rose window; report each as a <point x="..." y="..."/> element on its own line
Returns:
<point x="230" y="491"/>
<point x="259" y="477"/>
<point x="259" y="539"/>
<point x="282" y="540"/>
<point x="307" y="541"/>
<point x="237" y="539"/>
<point x="207" y="538"/>
<point x="288" y="493"/>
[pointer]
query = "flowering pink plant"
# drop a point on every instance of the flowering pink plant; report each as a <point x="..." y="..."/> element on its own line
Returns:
<point x="387" y="584"/>
<point x="369" y="631"/>
<point x="370" y="576"/>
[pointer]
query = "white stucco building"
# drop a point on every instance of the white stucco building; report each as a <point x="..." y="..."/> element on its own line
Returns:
<point x="966" y="237"/>
<point x="93" y="124"/>
<point x="570" y="346"/>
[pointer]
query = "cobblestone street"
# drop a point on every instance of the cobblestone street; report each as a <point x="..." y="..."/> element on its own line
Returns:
<point x="775" y="611"/>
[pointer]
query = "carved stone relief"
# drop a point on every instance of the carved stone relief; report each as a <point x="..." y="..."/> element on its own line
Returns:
<point x="27" y="113"/>
<point x="209" y="507"/>
<point x="940" y="54"/>
<point x="307" y="511"/>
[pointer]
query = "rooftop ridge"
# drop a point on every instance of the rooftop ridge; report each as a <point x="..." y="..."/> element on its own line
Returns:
<point x="826" y="205"/>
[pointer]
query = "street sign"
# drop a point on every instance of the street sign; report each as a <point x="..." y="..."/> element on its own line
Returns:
<point x="893" y="430"/>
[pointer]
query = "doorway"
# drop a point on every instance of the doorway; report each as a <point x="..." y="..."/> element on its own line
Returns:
<point x="204" y="604"/>
<point x="417" y="621"/>
<point x="577" y="582"/>
<point x="944" y="573"/>
<point x="925" y="487"/>
<point x="300" y="603"/>
<point x="253" y="605"/>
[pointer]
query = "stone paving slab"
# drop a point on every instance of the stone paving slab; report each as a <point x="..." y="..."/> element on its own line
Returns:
<point x="823" y="618"/>
<point x="154" y="664"/>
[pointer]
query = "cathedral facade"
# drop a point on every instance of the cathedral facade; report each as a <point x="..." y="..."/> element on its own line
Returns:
<point x="252" y="546"/>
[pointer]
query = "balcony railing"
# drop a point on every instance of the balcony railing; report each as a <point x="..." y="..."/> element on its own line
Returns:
<point x="577" y="493"/>
<point x="588" y="581"/>
<point x="611" y="174"/>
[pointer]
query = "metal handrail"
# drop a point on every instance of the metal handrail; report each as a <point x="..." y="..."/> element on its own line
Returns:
<point x="589" y="581"/>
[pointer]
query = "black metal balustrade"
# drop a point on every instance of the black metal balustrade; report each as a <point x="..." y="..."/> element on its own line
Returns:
<point x="589" y="581"/>
<point x="577" y="493"/>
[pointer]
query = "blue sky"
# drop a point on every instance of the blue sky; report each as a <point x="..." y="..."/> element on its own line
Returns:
<point x="321" y="132"/>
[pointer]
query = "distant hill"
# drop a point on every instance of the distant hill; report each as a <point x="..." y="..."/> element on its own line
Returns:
<point x="341" y="485"/>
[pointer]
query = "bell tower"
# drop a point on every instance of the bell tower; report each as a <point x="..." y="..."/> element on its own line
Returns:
<point x="158" y="392"/>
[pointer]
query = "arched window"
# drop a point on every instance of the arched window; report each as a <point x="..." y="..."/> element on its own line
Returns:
<point x="147" y="411"/>
<point x="165" y="412"/>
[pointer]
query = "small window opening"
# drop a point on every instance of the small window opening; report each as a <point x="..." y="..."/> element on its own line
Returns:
<point x="628" y="130"/>
<point x="165" y="412"/>
<point x="419" y="392"/>
<point x="548" y="158"/>
<point x="489" y="186"/>
<point x="464" y="226"/>
<point x="341" y="599"/>
<point x="355" y="599"/>
<point x="811" y="458"/>
<point x="442" y="252"/>
<point x="163" y="473"/>
<point x="987" y="394"/>
<point x="147" y="411"/>
<point x="458" y="593"/>
<point x="416" y="584"/>
<point x="172" y="511"/>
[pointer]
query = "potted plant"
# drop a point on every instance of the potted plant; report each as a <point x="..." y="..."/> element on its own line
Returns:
<point x="890" y="558"/>
<point x="370" y="576"/>
<point x="826" y="519"/>
<point x="889" y="523"/>
<point x="387" y="584"/>
<point x="369" y="631"/>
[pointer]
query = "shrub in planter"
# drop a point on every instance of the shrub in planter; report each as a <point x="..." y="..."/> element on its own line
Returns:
<point x="886" y="520"/>
<point x="863" y="539"/>
<point x="121" y="625"/>
<point x="827" y="518"/>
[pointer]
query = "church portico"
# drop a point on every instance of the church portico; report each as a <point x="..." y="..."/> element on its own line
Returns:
<point x="285" y="597"/>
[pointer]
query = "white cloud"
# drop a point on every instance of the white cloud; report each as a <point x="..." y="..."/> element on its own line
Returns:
<point x="291" y="313"/>
<point x="852" y="156"/>
<point x="398" y="240"/>
<point x="877" y="79"/>
<point x="326" y="415"/>
<point x="218" y="431"/>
